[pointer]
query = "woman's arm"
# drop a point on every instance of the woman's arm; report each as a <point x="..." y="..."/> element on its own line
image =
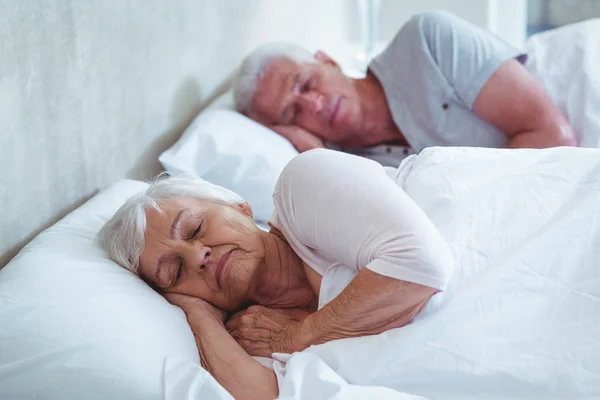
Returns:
<point x="369" y="305"/>
<point x="358" y="312"/>
<point x="350" y="211"/>
<point x="241" y="375"/>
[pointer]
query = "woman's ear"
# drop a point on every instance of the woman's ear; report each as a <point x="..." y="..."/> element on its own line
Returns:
<point x="245" y="209"/>
<point x="324" y="58"/>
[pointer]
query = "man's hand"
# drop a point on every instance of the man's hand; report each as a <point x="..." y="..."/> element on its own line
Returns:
<point x="301" y="139"/>
<point x="262" y="331"/>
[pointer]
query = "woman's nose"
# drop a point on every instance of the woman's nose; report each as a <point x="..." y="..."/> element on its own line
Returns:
<point x="199" y="255"/>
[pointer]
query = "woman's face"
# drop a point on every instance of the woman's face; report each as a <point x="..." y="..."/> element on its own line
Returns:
<point x="202" y="249"/>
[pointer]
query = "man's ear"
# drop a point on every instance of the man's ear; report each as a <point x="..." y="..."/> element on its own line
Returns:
<point x="245" y="209"/>
<point x="324" y="58"/>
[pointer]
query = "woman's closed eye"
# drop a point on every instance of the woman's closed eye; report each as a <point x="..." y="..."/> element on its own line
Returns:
<point x="176" y="271"/>
<point x="196" y="228"/>
<point x="179" y="271"/>
<point x="196" y="232"/>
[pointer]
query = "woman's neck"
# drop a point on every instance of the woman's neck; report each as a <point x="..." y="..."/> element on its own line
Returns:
<point x="281" y="281"/>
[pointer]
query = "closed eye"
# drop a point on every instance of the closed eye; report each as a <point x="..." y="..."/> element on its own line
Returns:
<point x="175" y="275"/>
<point x="179" y="271"/>
<point x="306" y="86"/>
<point x="197" y="231"/>
<point x="295" y="114"/>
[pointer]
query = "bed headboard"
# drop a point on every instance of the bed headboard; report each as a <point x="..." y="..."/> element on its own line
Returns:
<point x="92" y="91"/>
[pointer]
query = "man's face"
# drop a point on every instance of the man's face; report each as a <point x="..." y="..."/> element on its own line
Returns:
<point x="315" y="97"/>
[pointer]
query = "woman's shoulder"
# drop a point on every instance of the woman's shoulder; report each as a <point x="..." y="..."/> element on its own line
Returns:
<point x="324" y="166"/>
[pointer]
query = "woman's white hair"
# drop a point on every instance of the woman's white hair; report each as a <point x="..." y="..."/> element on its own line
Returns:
<point x="123" y="235"/>
<point x="254" y="66"/>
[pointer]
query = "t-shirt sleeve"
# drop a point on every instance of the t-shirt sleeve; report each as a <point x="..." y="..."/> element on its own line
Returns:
<point x="348" y="208"/>
<point x="464" y="54"/>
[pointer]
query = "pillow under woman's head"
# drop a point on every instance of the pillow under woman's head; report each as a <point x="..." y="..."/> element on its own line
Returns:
<point x="75" y="325"/>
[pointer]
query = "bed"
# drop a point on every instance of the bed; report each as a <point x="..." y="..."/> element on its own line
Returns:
<point x="93" y="93"/>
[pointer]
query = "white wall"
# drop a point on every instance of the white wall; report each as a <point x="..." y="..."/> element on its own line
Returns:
<point x="536" y="12"/>
<point x="506" y="18"/>
<point x="559" y="12"/>
<point x="92" y="91"/>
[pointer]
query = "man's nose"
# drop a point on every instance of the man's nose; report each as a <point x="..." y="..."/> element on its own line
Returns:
<point x="312" y="101"/>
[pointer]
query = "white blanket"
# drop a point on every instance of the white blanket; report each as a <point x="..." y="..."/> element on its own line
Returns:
<point x="521" y="319"/>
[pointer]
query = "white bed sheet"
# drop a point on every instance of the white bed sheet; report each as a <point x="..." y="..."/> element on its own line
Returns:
<point x="521" y="319"/>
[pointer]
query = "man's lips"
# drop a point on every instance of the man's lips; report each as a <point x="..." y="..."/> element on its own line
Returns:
<point x="334" y="110"/>
<point x="221" y="267"/>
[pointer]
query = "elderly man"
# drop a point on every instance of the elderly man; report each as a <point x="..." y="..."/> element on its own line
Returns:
<point x="440" y="82"/>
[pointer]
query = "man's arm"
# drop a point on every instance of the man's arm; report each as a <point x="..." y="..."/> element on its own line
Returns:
<point x="513" y="101"/>
<point x="488" y="77"/>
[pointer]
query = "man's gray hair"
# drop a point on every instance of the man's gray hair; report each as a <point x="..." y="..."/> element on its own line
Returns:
<point x="123" y="235"/>
<point x="253" y="69"/>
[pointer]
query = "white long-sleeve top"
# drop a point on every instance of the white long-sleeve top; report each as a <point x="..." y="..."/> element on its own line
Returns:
<point x="341" y="213"/>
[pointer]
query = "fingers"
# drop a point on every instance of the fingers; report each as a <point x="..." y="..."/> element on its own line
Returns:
<point x="179" y="300"/>
<point x="195" y="307"/>
<point x="256" y="349"/>
<point x="301" y="139"/>
<point x="246" y="317"/>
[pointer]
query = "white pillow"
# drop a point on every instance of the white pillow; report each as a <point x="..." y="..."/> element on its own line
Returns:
<point x="74" y="325"/>
<point x="230" y="150"/>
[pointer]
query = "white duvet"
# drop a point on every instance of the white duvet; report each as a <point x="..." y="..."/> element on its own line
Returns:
<point x="521" y="319"/>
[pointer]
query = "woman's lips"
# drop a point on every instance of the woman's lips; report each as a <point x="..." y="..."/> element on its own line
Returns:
<point x="221" y="267"/>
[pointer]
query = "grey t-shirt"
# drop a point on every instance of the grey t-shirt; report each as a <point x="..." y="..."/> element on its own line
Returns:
<point x="431" y="73"/>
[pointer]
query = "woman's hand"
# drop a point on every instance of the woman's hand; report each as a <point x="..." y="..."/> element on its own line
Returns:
<point x="196" y="309"/>
<point x="221" y="356"/>
<point x="262" y="331"/>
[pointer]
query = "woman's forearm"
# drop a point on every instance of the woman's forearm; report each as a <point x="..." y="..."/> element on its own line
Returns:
<point x="241" y="375"/>
<point x="370" y="304"/>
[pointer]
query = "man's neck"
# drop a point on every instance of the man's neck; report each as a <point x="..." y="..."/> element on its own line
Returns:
<point x="379" y="126"/>
<point x="281" y="281"/>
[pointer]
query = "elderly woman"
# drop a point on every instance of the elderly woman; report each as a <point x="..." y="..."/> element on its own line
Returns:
<point x="345" y="241"/>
